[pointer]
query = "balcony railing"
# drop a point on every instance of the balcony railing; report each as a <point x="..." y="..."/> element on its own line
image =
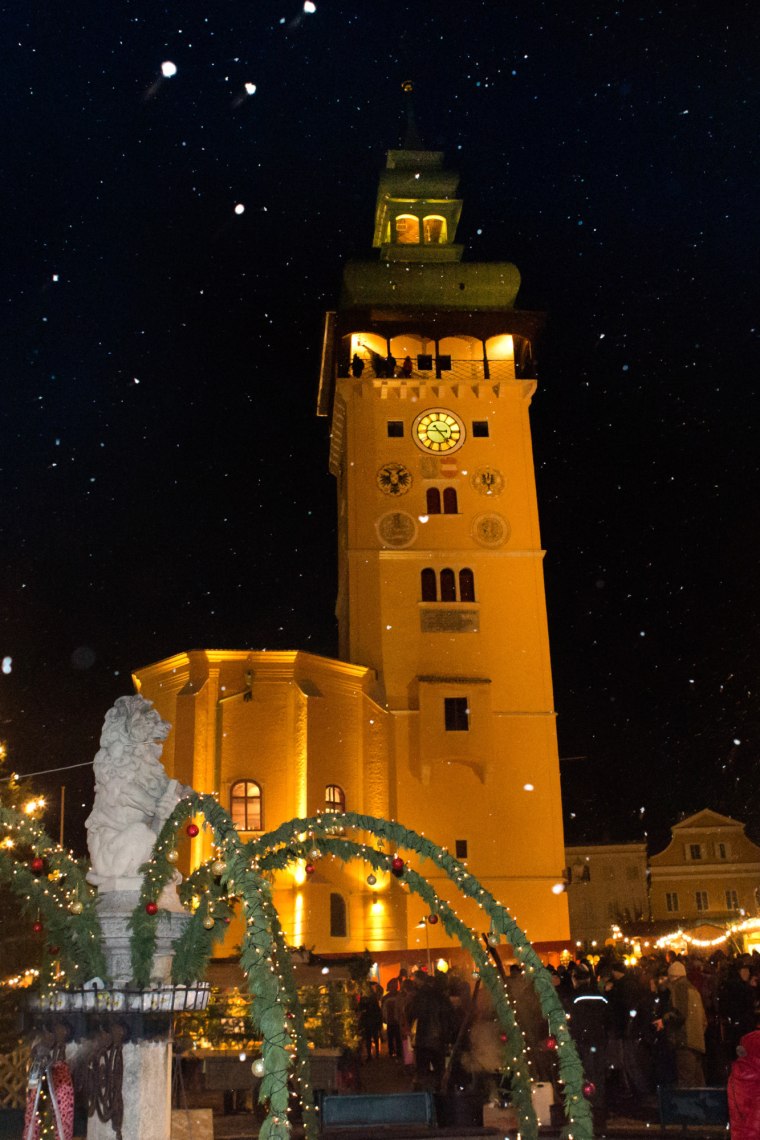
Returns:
<point x="449" y="369"/>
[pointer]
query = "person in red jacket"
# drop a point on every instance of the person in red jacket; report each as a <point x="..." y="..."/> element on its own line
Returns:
<point x="744" y="1089"/>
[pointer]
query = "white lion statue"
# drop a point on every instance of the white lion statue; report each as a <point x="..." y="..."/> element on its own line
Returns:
<point x="133" y="794"/>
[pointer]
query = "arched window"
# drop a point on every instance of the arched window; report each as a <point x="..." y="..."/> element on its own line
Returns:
<point x="433" y="499"/>
<point x="245" y="805"/>
<point x="450" y="501"/>
<point x="407" y="229"/>
<point x="429" y="586"/>
<point x="448" y="586"/>
<point x="434" y="229"/>
<point x="466" y="586"/>
<point x="338" y="917"/>
<point x="335" y="798"/>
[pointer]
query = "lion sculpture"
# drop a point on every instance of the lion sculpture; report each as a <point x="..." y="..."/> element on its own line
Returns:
<point x="133" y="794"/>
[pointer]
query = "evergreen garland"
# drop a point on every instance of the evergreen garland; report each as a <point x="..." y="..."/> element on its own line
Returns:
<point x="72" y="940"/>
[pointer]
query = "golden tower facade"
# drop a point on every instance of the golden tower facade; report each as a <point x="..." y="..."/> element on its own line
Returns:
<point x="428" y="376"/>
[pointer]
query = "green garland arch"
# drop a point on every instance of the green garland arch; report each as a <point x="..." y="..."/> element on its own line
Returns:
<point x="267" y="966"/>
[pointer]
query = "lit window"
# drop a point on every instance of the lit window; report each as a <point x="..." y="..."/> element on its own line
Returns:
<point x="466" y="585"/>
<point x="338" y="917"/>
<point x="407" y="229"/>
<point x="335" y="798"/>
<point x="456" y="713"/>
<point x="434" y="229"/>
<point x="433" y="501"/>
<point x="245" y="805"/>
<point x="429" y="585"/>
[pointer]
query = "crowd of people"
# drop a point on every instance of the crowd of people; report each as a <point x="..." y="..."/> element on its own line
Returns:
<point x="666" y="1021"/>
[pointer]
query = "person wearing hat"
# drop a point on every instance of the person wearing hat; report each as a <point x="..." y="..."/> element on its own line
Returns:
<point x="685" y="1024"/>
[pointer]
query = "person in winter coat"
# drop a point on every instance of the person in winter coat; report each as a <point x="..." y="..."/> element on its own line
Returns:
<point x="589" y="1026"/>
<point x="685" y="1024"/>
<point x="744" y="1089"/>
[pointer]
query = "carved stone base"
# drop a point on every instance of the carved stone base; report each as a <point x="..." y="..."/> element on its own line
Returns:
<point x="114" y="911"/>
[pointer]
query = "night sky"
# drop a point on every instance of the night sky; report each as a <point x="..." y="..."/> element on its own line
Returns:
<point x="164" y="478"/>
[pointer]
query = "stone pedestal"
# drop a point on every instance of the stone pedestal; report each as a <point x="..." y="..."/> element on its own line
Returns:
<point x="146" y="1092"/>
<point x="114" y="911"/>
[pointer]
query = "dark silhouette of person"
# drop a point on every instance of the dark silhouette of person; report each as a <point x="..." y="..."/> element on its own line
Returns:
<point x="430" y="1009"/>
<point x="357" y="366"/>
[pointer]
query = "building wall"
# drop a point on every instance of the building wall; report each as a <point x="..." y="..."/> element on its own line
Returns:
<point x="606" y="884"/>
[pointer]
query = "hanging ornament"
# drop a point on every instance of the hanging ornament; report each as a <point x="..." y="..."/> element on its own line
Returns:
<point x="551" y="1042"/>
<point x="432" y="919"/>
<point x="76" y="907"/>
<point x="192" y="830"/>
<point x="151" y="908"/>
<point x="258" y="1068"/>
<point x="397" y="866"/>
<point x="172" y="856"/>
<point x="315" y="854"/>
<point x="37" y="864"/>
<point x="589" y="1088"/>
<point x="208" y="922"/>
<point x="37" y="927"/>
<point x="218" y="867"/>
<point x="503" y="1038"/>
<point x="371" y="880"/>
<point x="309" y="868"/>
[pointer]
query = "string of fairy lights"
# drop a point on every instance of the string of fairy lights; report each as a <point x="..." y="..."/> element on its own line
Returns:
<point x="51" y="884"/>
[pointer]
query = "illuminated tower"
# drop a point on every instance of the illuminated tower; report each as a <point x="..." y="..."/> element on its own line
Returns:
<point x="428" y="375"/>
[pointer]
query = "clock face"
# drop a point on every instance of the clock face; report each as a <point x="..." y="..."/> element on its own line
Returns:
<point x="438" y="430"/>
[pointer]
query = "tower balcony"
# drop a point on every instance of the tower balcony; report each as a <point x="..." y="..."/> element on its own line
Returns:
<point x="433" y="369"/>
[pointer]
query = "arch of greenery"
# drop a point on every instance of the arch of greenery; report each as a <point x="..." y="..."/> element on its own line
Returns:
<point x="65" y="907"/>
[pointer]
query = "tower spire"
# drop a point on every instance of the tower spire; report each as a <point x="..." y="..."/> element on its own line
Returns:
<point x="412" y="138"/>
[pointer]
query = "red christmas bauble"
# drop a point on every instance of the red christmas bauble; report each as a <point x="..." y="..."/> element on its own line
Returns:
<point x="589" y="1089"/>
<point x="37" y="927"/>
<point x="397" y="866"/>
<point x="151" y="908"/>
<point x="551" y="1042"/>
<point x="309" y="868"/>
<point x="192" y="830"/>
<point x="37" y="864"/>
<point x="432" y="919"/>
<point x="503" y="1038"/>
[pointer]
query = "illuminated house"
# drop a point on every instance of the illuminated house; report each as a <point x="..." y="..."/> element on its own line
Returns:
<point x="708" y="873"/>
<point x="440" y="712"/>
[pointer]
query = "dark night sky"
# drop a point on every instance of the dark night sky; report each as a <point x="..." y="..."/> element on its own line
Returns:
<point x="164" y="477"/>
